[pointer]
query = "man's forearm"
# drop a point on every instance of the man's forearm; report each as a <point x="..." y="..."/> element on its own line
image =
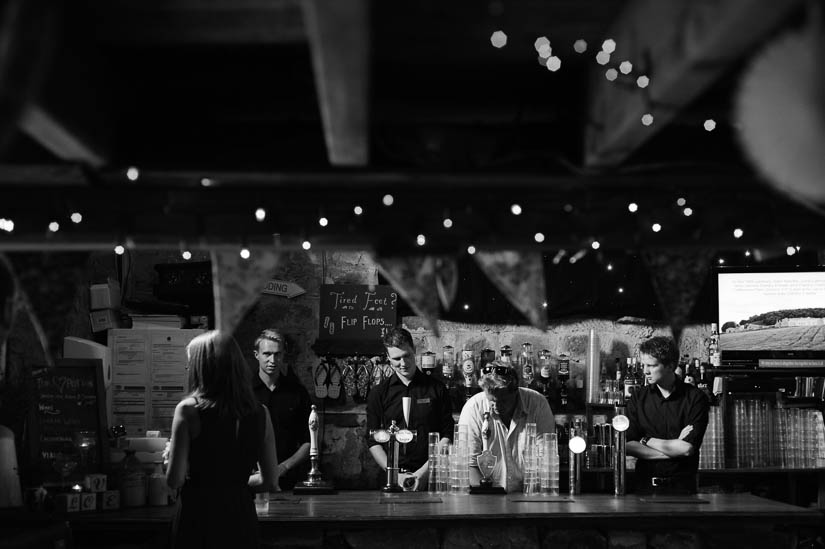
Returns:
<point x="673" y="448"/>
<point x="639" y="450"/>
<point x="379" y="455"/>
<point x="298" y="457"/>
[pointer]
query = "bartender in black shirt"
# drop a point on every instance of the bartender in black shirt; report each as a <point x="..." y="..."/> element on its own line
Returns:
<point x="279" y="389"/>
<point x="668" y="419"/>
<point x="430" y="408"/>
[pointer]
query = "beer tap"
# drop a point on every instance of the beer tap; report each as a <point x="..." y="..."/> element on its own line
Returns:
<point x="620" y="425"/>
<point x="394" y="436"/>
<point x="314" y="484"/>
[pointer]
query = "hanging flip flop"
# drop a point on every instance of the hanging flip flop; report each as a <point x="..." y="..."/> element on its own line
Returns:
<point x="377" y="373"/>
<point x="349" y="379"/>
<point x="363" y="380"/>
<point x="320" y="378"/>
<point x="334" y="389"/>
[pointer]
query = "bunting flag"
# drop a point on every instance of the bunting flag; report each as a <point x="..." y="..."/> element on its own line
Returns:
<point x="237" y="283"/>
<point x="520" y="277"/>
<point x="678" y="277"/>
<point x="446" y="280"/>
<point x="48" y="284"/>
<point x="414" y="278"/>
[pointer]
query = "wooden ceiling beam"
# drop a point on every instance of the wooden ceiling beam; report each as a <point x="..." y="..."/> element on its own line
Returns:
<point x="684" y="47"/>
<point x="169" y="22"/>
<point x="339" y="38"/>
<point x="60" y="139"/>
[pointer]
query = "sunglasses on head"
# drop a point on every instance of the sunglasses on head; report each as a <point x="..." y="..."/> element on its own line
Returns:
<point x="499" y="370"/>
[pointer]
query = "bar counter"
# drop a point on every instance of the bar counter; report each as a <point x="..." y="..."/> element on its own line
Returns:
<point x="372" y="519"/>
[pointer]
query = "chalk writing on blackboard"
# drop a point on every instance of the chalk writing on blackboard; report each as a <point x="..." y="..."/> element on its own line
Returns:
<point x="356" y="315"/>
<point x="69" y="407"/>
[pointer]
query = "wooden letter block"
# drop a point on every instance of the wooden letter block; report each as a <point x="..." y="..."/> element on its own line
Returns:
<point x="88" y="501"/>
<point x="95" y="483"/>
<point x="67" y="503"/>
<point x="110" y="499"/>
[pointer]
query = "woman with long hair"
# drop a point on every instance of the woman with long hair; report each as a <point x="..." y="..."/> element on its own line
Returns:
<point x="219" y="432"/>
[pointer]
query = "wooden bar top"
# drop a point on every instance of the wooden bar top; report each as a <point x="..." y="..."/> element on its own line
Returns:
<point x="365" y="507"/>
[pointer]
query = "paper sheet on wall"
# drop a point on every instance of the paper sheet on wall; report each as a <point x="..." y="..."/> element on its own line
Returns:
<point x="149" y="377"/>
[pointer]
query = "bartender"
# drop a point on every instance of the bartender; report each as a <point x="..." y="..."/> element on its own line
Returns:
<point x="430" y="409"/>
<point x="511" y="408"/>
<point x="280" y="390"/>
<point x="668" y="418"/>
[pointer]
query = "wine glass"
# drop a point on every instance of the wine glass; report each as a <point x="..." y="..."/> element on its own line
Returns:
<point x="65" y="462"/>
<point x="86" y="442"/>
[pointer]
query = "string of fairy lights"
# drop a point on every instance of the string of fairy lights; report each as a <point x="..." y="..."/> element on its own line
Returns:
<point x="546" y="58"/>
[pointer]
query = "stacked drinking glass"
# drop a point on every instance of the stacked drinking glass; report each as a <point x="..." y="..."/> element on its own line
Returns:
<point x="459" y="458"/>
<point x="712" y="453"/>
<point x="548" y="454"/>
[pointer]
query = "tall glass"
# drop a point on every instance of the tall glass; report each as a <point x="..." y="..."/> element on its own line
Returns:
<point x="433" y="438"/>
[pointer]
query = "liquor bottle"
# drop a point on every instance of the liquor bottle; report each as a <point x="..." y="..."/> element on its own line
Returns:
<point x="543" y="383"/>
<point x="506" y="356"/>
<point x="527" y="363"/>
<point x="629" y="380"/>
<point x="428" y="362"/>
<point x="618" y="392"/>
<point x="564" y="377"/>
<point x="487" y="356"/>
<point x="447" y="365"/>
<point x="705" y="382"/>
<point x="468" y="368"/>
<point x="682" y="367"/>
<point x="714" y="354"/>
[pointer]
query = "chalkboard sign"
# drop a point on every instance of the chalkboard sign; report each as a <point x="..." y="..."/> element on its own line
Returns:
<point x="67" y="427"/>
<point x="354" y="317"/>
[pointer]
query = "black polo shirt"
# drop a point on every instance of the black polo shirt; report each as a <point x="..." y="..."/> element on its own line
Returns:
<point x="430" y="410"/>
<point x="289" y="408"/>
<point x="652" y="415"/>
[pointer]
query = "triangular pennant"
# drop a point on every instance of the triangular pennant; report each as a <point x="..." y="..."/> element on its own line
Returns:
<point x="520" y="277"/>
<point x="446" y="280"/>
<point x="50" y="283"/>
<point x="237" y="283"/>
<point x="678" y="277"/>
<point x="413" y="277"/>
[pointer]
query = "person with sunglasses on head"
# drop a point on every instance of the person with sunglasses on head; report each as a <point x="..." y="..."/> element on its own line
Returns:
<point x="511" y="408"/>
<point x="430" y="409"/>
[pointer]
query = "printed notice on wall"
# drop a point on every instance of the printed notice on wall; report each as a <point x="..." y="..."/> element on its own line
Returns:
<point x="354" y="317"/>
<point x="149" y="377"/>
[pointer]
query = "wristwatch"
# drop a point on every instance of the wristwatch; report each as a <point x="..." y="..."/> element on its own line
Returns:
<point x="643" y="441"/>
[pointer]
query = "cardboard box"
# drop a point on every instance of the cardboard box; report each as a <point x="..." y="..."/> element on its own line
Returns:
<point x="103" y="320"/>
<point x="105" y="296"/>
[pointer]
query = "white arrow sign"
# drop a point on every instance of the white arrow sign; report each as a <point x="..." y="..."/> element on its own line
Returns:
<point x="283" y="288"/>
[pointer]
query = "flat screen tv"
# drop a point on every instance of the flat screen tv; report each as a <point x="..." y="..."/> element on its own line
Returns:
<point x="771" y="317"/>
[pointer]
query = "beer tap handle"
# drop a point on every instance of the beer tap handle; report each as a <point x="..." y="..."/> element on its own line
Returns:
<point x="313" y="432"/>
<point x="485" y="432"/>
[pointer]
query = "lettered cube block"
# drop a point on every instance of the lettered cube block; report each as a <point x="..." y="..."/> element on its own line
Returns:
<point x="88" y="501"/>
<point x="67" y="503"/>
<point x="110" y="499"/>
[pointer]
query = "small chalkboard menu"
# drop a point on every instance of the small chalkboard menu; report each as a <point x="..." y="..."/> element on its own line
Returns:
<point x="67" y="420"/>
<point x="354" y="317"/>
